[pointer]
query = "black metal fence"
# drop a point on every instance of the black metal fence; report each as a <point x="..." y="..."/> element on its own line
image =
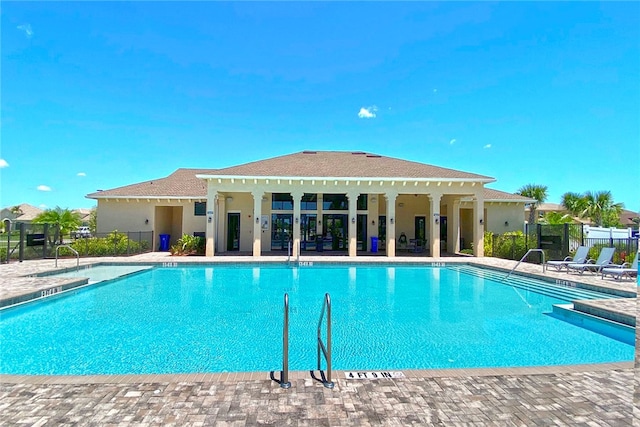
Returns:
<point x="557" y="241"/>
<point x="38" y="241"/>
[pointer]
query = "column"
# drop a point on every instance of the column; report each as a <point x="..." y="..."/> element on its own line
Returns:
<point x="297" y="199"/>
<point x="453" y="225"/>
<point x="222" y="222"/>
<point x="257" y="227"/>
<point x="391" y="224"/>
<point x="434" y="224"/>
<point x="478" y="225"/>
<point x="353" y="224"/>
<point x="210" y="230"/>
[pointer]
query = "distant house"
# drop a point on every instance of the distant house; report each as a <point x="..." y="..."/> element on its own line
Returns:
<point x="322" y="201"/>
<point x="20" y="213"/>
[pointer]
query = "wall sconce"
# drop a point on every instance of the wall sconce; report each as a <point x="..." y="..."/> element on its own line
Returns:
<point x="297" y="220"/>
<point x="209" y="220"/>
<point x="391" y="220"/>
<point x="319" y="222"/>
<point x="481" y="221"/>
<point x="373" y="222"/>
<point x="146" y="221"/>
<point x="437" y="220"/>
<point x="257" y="220"/>
<point x="506" y="223"/>
<point x="353" y="220"/>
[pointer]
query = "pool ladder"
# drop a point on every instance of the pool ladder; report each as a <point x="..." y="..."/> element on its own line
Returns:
<point x="72" y="250"/>
<point x="544" y="265"/>
<point x="322" y="348"/>
<point x="297" y="262"/>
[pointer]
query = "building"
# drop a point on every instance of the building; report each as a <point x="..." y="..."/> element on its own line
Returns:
<point x="317" y="201"/>
<point x="24" y="213"/>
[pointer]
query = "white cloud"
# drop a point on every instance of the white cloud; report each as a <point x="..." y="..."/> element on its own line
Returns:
<point x="3" y="164"/>
<point x="81" y="174"/>
<point x="27" y="30"/>
<point x="44" y="188"/>
<point x="42" y="206"/>
<point x="453" y="141"/>
<point x="487" y="146"/>
<point x="368" y="112"/>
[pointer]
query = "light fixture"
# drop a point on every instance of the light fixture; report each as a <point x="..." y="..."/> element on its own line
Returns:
<point x="374" y="199"/>
<point x="481" y="221"/>
<point x="319" y="222"/>
<point x="257" y="220"/>
<point x="437" y="220"/>
<point x="146" y="221"/>
<point x="297" y="220"/>
<point x="373" y="222"/>
<point x="506" y="223"/>
<point x="391" y="220"/>
<point x="353" y="220"/>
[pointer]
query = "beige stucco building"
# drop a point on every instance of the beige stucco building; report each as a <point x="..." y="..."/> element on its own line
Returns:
<point x="317" y="201"/>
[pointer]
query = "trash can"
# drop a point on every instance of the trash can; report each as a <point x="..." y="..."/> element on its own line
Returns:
<point x="164" y="242"/>
<point x="319" y="244"/>
<point x="374" y="244"/>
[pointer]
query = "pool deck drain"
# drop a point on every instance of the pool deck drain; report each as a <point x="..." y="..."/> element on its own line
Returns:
<point x="589" y="395"/>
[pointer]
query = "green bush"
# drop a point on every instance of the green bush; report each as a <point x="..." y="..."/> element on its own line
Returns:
<point x="621" y="255"/>
<point x="511" y="245"/>
<point x="188" y="245"/>
<point x="114" y="244"/>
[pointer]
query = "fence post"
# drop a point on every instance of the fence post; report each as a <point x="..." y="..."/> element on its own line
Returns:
<point x="21" y="250"/>
<point x="128" y="243"/>
<point x="46" y="240"/>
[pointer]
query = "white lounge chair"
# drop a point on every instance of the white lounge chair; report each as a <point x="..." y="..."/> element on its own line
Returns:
<point x="604" y="260"/>
<point x="580" y="257"/>
<point x="622" y="270"/>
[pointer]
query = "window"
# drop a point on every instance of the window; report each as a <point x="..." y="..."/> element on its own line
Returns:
<point x="281" y="202"/>
<point x="335" y="202"/>
<point x="309" y="202"/>
<point x="200" y="209"/>
<point x="362" y="202"/>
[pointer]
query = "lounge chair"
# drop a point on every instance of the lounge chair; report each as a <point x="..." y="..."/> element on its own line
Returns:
<point x="402" y="242"/>
<point x="604" y="260"/>
<point x="622" y="270"/>
<point x="580" y="257"/>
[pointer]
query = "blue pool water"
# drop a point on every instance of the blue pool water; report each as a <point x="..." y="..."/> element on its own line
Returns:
<point x="218" y="319"/>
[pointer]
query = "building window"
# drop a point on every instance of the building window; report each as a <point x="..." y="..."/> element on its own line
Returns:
<point x="309" y="202"/>
<point x="281" y="202"/>
<point x="362" y="202"/>
<point x="335" y="202"/>
<point x="200" y="208"/>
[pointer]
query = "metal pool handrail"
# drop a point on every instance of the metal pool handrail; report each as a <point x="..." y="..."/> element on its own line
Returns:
<point x="326" y="350"/>
<point x="544" y="265"/>
<point x="284" y="377"/>
<point x="72" y="250"/>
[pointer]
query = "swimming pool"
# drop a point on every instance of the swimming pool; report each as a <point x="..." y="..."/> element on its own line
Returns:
<point x="229" y="318"/>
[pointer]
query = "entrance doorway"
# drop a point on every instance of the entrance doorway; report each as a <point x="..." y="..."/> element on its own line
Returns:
<point x="233" y="232"/>
<point x="335" y="232"/>
<point x="361" y="232"/>
<point x="308" y="224"/>
<point x="281" y="231"/>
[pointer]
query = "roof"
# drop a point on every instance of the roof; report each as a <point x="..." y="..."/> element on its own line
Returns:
<point x="183" y="183"/>
<point x="29" y="212"/>
<point x="344" y="164"/>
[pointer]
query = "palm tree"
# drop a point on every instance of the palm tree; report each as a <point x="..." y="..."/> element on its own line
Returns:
<point x="575" y="203"/>
<point x="600" y="208"/>
<point x="537" y="192"/>
<point x="554" y="218"/>
<point x="65" y="220"/>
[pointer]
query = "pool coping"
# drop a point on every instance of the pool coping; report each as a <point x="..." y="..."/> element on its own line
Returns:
<point x="300" y="375"/>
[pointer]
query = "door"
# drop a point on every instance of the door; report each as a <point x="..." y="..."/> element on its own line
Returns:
<point x="308" y="224"/>
<point x="443" y="233"/>
<point x="233" y="231"/>
<point x="335" y="232"/>
<point x="281" y="231"/>
<point x="361" y="232"/>
<point x="419" y="229"/>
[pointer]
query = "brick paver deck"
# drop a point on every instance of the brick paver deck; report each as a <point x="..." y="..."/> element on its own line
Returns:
<point x="591" y="395"/>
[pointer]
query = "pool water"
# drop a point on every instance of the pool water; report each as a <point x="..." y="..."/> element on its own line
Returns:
<point x="219" y="319"/>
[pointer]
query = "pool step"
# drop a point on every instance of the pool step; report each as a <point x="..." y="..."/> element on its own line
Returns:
<point x="557" y="291"/>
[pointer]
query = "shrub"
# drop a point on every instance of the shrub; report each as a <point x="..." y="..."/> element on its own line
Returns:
<point x="188" y="245"/>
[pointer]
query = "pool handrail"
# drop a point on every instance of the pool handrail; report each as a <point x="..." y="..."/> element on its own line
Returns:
<point x="544" y="268"/>
<point x="284" y="376"/>
<point x="326" y="350"/>
<point x="72" y="250"/>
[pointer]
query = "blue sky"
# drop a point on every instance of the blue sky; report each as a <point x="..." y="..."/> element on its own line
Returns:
<point x="101" y="95"/>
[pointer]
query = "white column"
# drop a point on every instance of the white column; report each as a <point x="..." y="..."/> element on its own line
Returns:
<point x="353" y="224"/>
<point x="434" y="224"/>
<point x="391" y="224"/>
<point x="297" y="198"/>
<point x="257" y="227"/>
<point x="222" y="222"/>
<point x="453" y="225"/>
<point x="478" y="224"/>
<point x="372" y="218"/>
<point x="210" y="229"/>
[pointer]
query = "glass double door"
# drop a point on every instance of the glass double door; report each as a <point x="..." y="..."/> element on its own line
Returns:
<point x="281" y="231"/>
